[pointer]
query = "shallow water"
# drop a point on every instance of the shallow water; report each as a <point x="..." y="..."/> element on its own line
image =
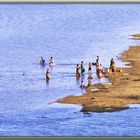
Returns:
<point x="70" y="33"/>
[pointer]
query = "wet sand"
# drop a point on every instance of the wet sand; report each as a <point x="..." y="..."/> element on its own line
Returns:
<point x="123" y="90"/>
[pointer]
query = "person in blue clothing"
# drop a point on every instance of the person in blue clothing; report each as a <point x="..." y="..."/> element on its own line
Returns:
<point x="42" y="61"/>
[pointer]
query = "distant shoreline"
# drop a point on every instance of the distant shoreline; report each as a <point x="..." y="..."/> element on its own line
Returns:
<point x="124" y="90"/>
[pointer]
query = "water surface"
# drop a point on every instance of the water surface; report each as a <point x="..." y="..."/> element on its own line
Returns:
<point x="70" y="33"/>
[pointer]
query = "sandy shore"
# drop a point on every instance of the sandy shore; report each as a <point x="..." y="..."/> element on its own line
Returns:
<point x="124" y="90"/>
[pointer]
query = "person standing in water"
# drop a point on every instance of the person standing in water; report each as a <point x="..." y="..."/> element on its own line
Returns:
<point x="97" y="61"/>
<point x="90" y="68"/>
<point x="82" y="67"/>
<point x="77" y="71"/>
<point x="42" y="61"/>
<point x="51" y="61"/>
<point x="47" y="75"/>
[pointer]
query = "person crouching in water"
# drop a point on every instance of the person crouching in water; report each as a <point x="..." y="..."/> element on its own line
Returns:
<point x="112" y="65"/>
<point x="78" y="71"/>
<point x="42" y="61"/>
<point x="47" y="75"/>
<point x="90" y="68"/>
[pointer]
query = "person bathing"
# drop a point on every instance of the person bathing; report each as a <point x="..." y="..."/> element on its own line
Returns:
<point x="90" y="68"/>
<point x="82" y="67"/>
<point x="78" y="70"/>
<point x="47" y="75"/>
<point x="51" y="61"/>
<point x="42" y="61"/>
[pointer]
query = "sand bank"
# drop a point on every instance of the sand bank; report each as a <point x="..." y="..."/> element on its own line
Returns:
<point x="136" y="36"/>
<point x="124" y="90"/>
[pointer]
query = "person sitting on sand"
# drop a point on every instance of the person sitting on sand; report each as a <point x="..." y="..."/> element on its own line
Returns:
<point x="42" y="61"/>
<point x="51" y="61"/>
<point x="82" y="68"/>
<point x="90" y="68"/>
<point x="77" y="70"/>
<point x="47" y="75"/>
<point x="112" y="65"/>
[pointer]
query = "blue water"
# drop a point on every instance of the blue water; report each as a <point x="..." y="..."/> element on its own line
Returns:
<point x="70" y="33"/>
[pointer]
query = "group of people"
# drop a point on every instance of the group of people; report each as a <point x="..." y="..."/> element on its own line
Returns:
<point x="105" y="71"/>
<point x="101" y="71"/>
<point x="80" y="70"/>
<point x="51" y="61"/>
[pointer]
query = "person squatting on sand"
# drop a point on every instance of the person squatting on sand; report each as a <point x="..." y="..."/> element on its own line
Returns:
<point x="42" y="61"/>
